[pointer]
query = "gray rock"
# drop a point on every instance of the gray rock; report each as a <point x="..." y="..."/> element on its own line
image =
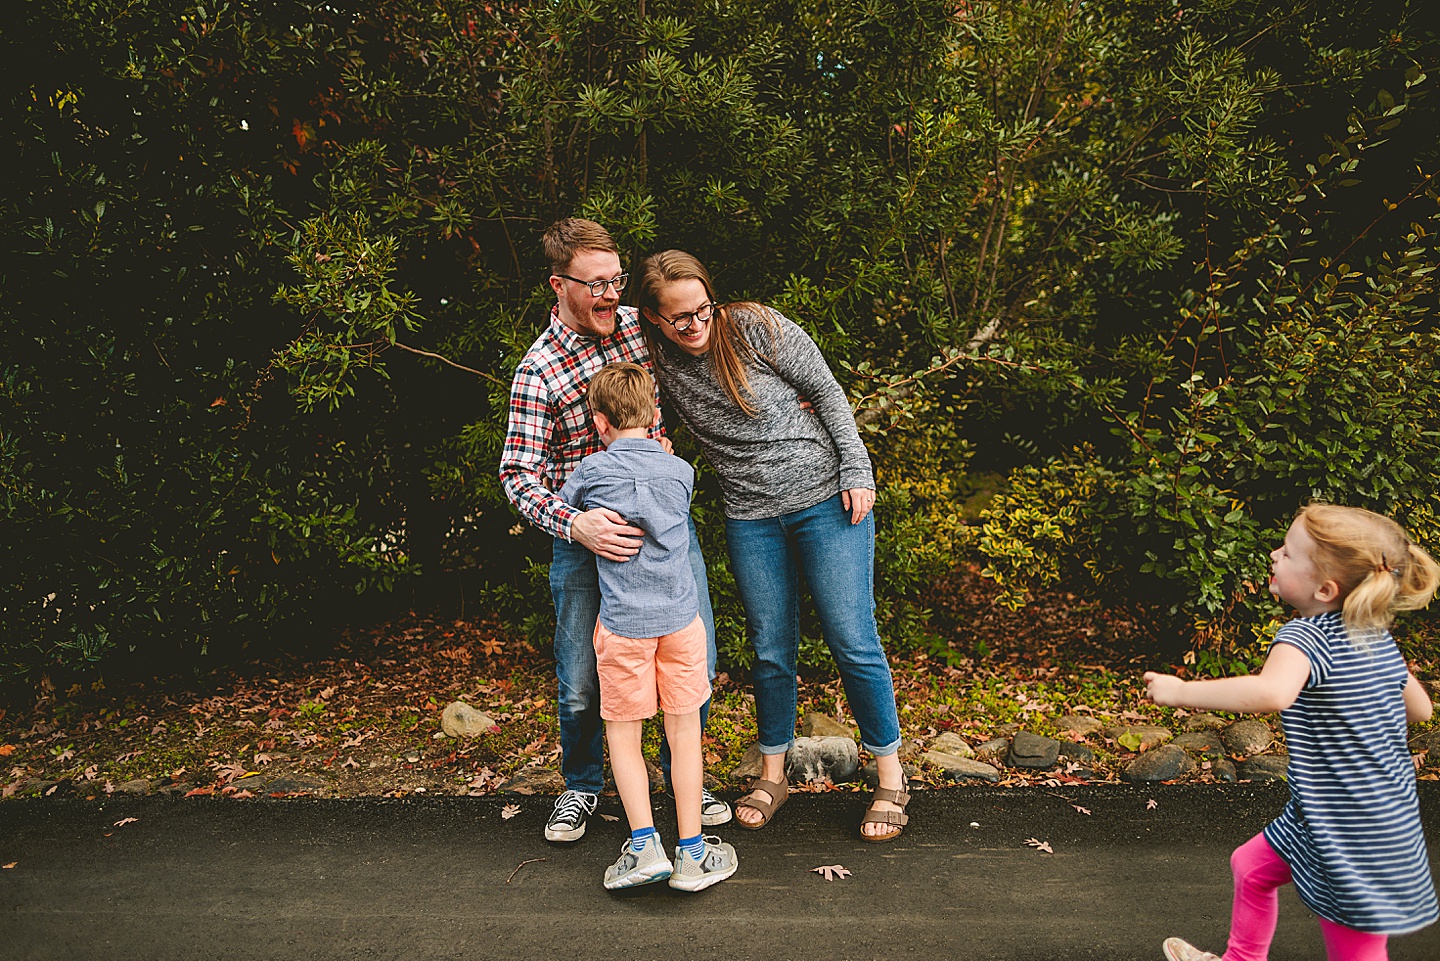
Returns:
<point x="534" y="780"/>
<point x="816" y="724"/>
<point x="37" y="786"/>
<point x="295" y="784"/>
<point x="910" y="749"/>
<point x="833" y="759"/>
<point x="869" y="774"/>
<point x="1079" y="724"/>
<point x="1032" y="751"/>
<point x="1224" y="770"/>
<point x="1138" y="737"/>
<point x="1204" y="743"/>
<point x="1164" y="763"/>
<point x="1247" y="737"/>
<point x="953" y="744"/>
<point x="1264" y="767"/>
<point x="137" y="786"/>
<point x="958" y="769"/>
<point x="462" y="720"/>
<point x="1078" y="753"/>
<point x="749" y="765"/>
<point x="996" y="746"/>
<point x="255" y="783"/>
<point x="1204" y="722"/>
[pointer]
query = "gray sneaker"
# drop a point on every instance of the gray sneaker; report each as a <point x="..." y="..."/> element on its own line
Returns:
<point x="1177" y="949"/>
<point x="718" y="864"/>
<point x="637" y="867"/>
<point x="713" y="811"/>
<point x="567" y="821"/>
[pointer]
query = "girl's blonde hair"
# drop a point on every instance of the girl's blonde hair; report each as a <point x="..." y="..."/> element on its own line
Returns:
<point x="1377" y="567"/>
<point x="730" y="353"/>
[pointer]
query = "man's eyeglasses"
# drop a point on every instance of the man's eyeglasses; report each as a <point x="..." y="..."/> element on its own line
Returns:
<point x="689" y="319"/>
<point x="597" y="287"/>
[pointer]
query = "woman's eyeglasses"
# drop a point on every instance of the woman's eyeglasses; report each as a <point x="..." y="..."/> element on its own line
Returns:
<point x="690" y="318"/>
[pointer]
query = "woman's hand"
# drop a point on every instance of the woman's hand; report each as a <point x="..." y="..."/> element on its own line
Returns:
<point x="858" y="501"/>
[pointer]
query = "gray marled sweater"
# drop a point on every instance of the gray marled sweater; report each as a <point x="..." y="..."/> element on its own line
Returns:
<point x="787" y="457"/>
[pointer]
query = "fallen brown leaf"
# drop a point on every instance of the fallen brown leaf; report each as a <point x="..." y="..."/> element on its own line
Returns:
<point x="509" y="811"/>
<point x="124" y="821"/>
<point x="832" y="872"/>
<point x="1151" y="805"/>
<point x="10" y="865"/>
<point x="1042" y="846"/>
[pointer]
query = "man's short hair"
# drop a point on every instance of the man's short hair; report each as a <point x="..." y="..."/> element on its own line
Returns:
<point x="566" y="238"/>
<point x="625" y="394"/>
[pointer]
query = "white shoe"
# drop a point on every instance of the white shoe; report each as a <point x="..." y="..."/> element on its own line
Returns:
<point x="718" y="863"/>
<point x="635" y="868"/>
<point x="1177" y="949"/>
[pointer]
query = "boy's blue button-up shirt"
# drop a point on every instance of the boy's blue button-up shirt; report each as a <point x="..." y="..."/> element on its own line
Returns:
<point x="653" y="593"/>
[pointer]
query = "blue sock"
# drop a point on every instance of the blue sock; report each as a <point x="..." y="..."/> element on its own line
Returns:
<point x="694" y="846"/>
<point x="639" y="839"/>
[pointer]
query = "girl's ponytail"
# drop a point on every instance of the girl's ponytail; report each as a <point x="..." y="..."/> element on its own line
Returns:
<point x="1419" y="578"/>
<point x="1370" y="607"/>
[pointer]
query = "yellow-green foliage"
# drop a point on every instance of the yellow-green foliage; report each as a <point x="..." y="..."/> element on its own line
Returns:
<point x="929" y="466"/>
<point x="1028" y="532"/>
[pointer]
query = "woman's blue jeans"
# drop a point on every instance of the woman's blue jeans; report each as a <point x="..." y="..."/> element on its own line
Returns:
<point x="837" y="559"/>
<point x="575" y="588"/>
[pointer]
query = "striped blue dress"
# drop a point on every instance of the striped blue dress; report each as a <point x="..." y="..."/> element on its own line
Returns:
<point x="1351" y="833"/>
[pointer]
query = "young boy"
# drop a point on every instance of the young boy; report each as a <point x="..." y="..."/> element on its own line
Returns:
<point x="649" y="641"/>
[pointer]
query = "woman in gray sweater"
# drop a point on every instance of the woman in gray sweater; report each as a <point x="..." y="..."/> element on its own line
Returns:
<point x="798" y="490"/>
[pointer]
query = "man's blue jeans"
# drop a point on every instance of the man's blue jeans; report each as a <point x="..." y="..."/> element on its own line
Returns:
<point x="575" y="588"/>
<point x="837" y="560"/>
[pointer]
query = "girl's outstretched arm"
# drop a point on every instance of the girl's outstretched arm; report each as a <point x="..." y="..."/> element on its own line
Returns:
<point x="1417" y="701"/>
<point x="1274" y="689"/>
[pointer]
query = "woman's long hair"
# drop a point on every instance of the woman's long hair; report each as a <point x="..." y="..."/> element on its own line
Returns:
<point x="1370" y="557"/>
<point x="730" y="352"/>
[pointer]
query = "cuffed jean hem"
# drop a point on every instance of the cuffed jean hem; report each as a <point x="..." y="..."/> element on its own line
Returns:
<point x="886" y="751"/>
<point x="892" y="748"/>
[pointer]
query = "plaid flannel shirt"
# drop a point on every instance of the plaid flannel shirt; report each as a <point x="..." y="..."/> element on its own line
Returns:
<point x="549" y="430"/>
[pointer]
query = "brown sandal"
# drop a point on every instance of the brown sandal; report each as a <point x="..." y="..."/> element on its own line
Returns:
<point x="779" y="793"/>
<point x="897" y="818"/>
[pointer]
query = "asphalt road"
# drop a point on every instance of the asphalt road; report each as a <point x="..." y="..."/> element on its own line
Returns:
<point x="443" y="878"/>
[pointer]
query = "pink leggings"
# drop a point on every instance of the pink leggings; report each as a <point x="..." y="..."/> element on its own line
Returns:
<point x="1259" y="872"/>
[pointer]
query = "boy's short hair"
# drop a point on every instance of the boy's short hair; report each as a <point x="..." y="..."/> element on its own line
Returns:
<point x="625" y="394"/>
<point x="565" y="238"/>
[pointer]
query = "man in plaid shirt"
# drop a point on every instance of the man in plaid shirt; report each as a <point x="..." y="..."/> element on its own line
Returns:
<point x="548" y="434"/>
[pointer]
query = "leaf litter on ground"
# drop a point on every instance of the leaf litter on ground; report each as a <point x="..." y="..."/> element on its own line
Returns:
<point x="378" y="695"/>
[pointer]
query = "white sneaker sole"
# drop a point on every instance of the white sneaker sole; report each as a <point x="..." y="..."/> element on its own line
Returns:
<point x="657" y="873"/>
<point x="691" y="885"/>
<point x="720" y="817"/>
<point x="563" y="834"/>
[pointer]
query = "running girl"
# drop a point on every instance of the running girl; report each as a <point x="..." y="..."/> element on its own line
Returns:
<point x="1350" y="838"/>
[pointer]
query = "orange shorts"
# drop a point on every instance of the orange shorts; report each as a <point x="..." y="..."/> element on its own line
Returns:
<point x="637" y="673"/>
